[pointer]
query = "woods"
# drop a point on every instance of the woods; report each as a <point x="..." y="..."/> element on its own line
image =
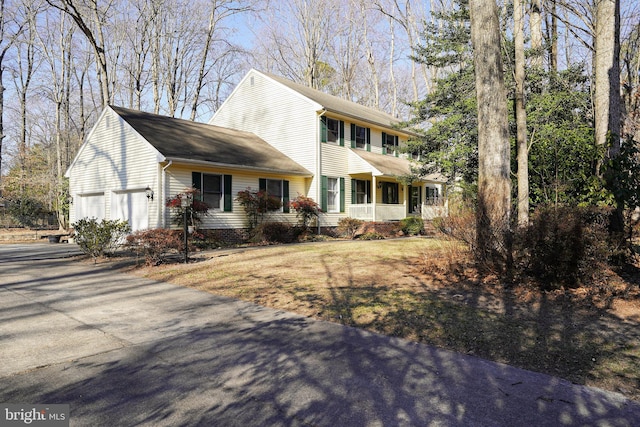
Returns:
<point x="527" y="102"/>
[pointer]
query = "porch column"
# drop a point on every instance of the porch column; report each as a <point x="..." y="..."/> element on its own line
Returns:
<point x="374" y="197"/>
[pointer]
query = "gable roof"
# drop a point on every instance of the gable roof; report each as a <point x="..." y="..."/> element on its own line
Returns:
<point x="192" y="142"/>
<point x="341" y="106"/>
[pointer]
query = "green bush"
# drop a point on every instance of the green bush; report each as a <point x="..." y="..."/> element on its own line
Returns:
<point x="156" y="244"/>
<point x="412" y="226"/>
<point x="347" y="227"/>
<point x="372" y="235"/>
<point x="26" y="211"/>
<point x="99" y="238"/>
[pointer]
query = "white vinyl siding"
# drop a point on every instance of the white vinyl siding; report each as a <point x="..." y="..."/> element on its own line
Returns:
<point x="115" y="159"/>
<point x="289" y="122"/>
<point x="180" y="177"/>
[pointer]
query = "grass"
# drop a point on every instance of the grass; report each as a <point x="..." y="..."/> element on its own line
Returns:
<point x="423" y="290"/>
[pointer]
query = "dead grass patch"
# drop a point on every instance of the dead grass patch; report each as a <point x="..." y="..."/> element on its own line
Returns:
<point x="426" y="290"/>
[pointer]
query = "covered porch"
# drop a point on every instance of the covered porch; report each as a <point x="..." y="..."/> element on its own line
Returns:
<point x="378" y="192"/>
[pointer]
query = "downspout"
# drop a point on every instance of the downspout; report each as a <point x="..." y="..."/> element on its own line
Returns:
<point x="319" y="162"/>
<point x="163" y="208"/>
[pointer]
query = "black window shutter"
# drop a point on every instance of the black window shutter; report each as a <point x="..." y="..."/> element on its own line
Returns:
<point x="228" y="200"/>
<point x="368" y="139"/>
<point x="196" y="181"/>
<point x="368" y="186"/>
<point x="285" y="196"/>
<point x="341" y="133"/>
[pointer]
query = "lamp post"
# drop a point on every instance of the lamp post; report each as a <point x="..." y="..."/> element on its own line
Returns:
<point x="186" y="203"/>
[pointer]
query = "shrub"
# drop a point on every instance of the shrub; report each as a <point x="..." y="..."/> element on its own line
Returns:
<point x="372" y="235"/>
<point x="460" y="223"/>
<point x="306" y="210"/>
<point x="347" y="227"/>
<point x="412" y="226"/>
<point x="99" y="238"/>
<point x="275" y="232"/>
<point x="257" y="204"/>
<point x="564" y="245"/>
<point x="195" y="212"/>
<point x="156" y="244"/>
<point x="26" y="211"/>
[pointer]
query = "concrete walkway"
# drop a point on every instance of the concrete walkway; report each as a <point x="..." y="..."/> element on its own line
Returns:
<point x="124" y="351"/>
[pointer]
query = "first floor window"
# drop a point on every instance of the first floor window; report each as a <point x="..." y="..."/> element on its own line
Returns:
<point x="433" y="196"/>
<point x="390" y="193"/>
<point x="277" y="188"/>
<point x="215" y="190"/>
<point x="333" y="195"/>
<point x="212" y="190"/>
<point x="416" y="199"/>
<point x="362" y="191"/>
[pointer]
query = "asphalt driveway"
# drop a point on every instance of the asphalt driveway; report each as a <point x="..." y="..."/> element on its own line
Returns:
<point x="124" y="351"/>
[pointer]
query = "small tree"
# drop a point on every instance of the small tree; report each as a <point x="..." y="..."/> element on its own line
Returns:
<point x="195" y="212"/>
<point x="256" y="205"/>
<point x="306" y="210"/>
<point x="98" y="238"/>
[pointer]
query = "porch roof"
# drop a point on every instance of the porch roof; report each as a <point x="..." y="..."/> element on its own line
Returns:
<point x="384" y="165"/>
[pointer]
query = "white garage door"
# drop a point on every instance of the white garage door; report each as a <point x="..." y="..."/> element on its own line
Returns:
<point x="131" y="206"/>
<point x="90" y="206"/>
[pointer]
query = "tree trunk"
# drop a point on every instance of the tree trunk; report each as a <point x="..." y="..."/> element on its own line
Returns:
<point x="494" y="183"/>
<point x="521" y="116"/>
<point x="607" y="76"/>
<point x="535" y="20"/>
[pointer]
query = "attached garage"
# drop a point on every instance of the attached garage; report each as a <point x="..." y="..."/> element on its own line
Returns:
<point x="131" y="206"/>
<point x="90" y="205"/>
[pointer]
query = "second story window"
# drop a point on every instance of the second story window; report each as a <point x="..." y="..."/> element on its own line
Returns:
<point x="333" y="130"/>
<point x="361" y="137"/>
<point x="390" y="144"/>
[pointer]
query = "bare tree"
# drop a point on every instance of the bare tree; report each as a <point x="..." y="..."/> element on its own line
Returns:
<point x="607" y="76"/>
<point x="535" y="23"/>
<point x="89" y="18"/>
<point x="521" y="115"/>
<point x="494" y="183"/>
<point x="10" y="29"/>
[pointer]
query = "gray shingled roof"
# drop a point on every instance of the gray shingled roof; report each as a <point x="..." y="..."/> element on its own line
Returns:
<point x="184" y="140"/>
<point x="342" y="106"/>
<point x="394" y="166"/>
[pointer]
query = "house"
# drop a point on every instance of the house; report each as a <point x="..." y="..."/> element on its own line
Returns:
<point x="270" y="134"/>
<point x="132" y="161"/>
<point x="352" y="151"/>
